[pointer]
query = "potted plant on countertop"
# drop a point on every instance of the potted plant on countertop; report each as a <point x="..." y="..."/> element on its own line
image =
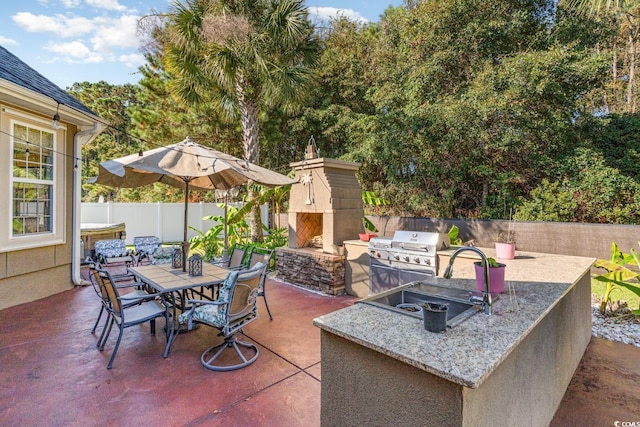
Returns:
<point x="370" y="230"/>
<point x="496" y="276"/>
<point x="505" y="242"/>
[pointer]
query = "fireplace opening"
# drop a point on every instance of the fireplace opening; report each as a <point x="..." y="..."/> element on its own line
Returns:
<point x="308" y="228"/>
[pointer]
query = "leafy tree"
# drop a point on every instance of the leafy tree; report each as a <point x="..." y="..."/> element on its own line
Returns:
<point x="111" y="102"/>
<point x="474" y="103"/>
<point x="623" y="16"/>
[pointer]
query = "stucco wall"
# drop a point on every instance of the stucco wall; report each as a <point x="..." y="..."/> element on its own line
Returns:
<point x="34" y="285"/>
<point x="31" y="274"/>
<point x="565" y="238"/>
<point x="362" y="387"/>
<point x="529" y="384"/>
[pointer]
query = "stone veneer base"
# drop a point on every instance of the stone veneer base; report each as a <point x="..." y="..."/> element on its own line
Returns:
<point x="311" y="269"/>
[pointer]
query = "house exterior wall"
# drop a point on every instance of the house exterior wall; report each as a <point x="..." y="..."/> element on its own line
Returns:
<point x="30" y="274"/>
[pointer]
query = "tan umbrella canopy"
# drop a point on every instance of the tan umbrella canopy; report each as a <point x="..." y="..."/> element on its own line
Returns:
<point x="186" y="165"/>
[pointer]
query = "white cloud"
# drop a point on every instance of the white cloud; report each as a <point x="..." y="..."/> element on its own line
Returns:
<point x="70" y="4"/>
<point x="327" y="13"/>
<point x="58" y="24"/>
<point x="133" y="60"/>
<point x="7" y="41"/>
<point x="106" y="34"/>
<point x="73" y="52"/>
<point x="115" y="33"/>
<point x="107" y="4"/>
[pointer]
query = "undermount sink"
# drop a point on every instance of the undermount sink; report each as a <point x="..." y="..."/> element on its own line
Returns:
<point x="403" y="300"/>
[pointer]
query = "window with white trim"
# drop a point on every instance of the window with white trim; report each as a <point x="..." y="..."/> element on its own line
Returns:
<point x="33" y="183"/>
<point x="33" y="164"/>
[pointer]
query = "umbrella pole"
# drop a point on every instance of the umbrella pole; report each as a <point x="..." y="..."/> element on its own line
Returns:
<point x="185" y="244"/>
<point x="225" y="252"/>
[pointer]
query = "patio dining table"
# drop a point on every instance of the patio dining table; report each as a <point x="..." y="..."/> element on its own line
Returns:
<point x="169" y="282"/>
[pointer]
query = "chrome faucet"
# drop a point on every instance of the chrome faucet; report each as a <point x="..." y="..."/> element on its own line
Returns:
<point x="485" y="301"/>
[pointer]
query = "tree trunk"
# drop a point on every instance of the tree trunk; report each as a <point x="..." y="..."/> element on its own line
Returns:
<point x="250" y="144"/>
<point x="250" y="124"/>
<point x="632" y="72"/>
<point x="633" y="36"/>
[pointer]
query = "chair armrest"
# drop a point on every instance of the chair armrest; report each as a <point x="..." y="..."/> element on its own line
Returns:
<point x="128" y="298"/>
<point x="197" y="302"/>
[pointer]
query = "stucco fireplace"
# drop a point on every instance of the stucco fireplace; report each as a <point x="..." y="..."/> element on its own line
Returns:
<point x="325" y="209"/>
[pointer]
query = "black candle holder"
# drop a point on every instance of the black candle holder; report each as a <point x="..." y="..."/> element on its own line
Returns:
<point x="195" y="265"/>
<point x="176" y="259"/>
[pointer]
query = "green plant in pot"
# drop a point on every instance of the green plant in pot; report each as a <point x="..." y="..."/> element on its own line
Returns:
<point x="370" y="230"/>
<point x="496" y="275"/>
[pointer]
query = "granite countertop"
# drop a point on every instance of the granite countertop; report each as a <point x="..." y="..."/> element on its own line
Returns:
<point x="469" y="352"/>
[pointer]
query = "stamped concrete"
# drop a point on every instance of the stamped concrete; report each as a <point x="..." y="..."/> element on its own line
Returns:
<point x="53" y="375"/>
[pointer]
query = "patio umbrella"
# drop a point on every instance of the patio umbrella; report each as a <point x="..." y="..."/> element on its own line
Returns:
<point x="186" y="165"/>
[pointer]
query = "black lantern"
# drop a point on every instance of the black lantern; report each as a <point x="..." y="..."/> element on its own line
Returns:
<point x="195" y="265"/>
<point x="176" y="260"/>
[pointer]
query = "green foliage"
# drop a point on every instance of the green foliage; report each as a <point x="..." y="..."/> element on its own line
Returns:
<point x="453" y="233"/>
<point x="454" y="108"/>
<point x="275" y="238"/>
<point x="369" y="225"/>
<point x="492" y="262"/>
<point x="210" y="244"/>
<point x="370" y="198"/>
<point x="548" y="202"/>
<point x="621" y="270"/>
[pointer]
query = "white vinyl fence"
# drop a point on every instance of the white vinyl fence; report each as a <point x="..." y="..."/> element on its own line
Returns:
<point x="165" y="220"/>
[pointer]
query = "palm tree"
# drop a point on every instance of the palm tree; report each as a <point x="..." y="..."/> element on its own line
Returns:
<point x="246" y="56"/>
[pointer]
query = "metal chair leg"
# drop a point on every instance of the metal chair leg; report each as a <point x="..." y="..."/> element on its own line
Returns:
<point x="105" y="334"/>
<point x="264" y="296"/>
<point x="115" y="349"/>
<point x="95" y="325"/>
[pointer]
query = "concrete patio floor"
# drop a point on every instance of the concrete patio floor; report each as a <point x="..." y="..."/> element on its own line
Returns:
<point x="53" y="375"/>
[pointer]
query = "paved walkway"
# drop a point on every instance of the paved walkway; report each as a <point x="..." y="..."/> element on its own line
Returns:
<point x="53" y="375"/>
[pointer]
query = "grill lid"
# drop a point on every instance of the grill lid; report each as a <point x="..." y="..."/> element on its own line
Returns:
<point x="420" y="240"/>
<point x="380" y="243"/>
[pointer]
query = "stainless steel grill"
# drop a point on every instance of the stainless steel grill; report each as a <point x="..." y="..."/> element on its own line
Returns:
<point x="407" y="257"/>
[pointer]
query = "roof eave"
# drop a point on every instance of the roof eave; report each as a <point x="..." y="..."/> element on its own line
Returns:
<point x="39" y="103"/>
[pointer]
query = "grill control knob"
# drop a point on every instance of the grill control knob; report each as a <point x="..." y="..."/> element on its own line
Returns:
<point x="427" y="261"/>
<point x="397" y="257"/>
<point x="416" y="260"/>
<point x="406" y="258"/>
<point x="378" y="254"/>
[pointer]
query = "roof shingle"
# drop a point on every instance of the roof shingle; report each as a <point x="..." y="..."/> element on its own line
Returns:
<point x="16" y="71"/>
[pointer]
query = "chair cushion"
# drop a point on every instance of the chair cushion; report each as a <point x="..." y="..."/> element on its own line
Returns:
<point x="210" y="314"/>
<point x="146" y="244"/>
<point x="112" y="248"/>
<point x="162" y="255"/>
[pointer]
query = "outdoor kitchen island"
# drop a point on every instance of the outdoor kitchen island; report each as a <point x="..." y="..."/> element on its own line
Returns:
<point x="511" y="368"/>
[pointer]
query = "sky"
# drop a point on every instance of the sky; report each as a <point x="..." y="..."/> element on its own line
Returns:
<point x="70" y="41"/>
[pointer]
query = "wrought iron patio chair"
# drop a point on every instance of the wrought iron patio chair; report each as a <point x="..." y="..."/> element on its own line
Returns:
<point x="135" y="296"/>
<point x="144" y="247"/>
<point x="125" y="315"/>
<point x="234" y="309"/>
<point x="237" y="259"/>
<point x="264" y="256"/>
